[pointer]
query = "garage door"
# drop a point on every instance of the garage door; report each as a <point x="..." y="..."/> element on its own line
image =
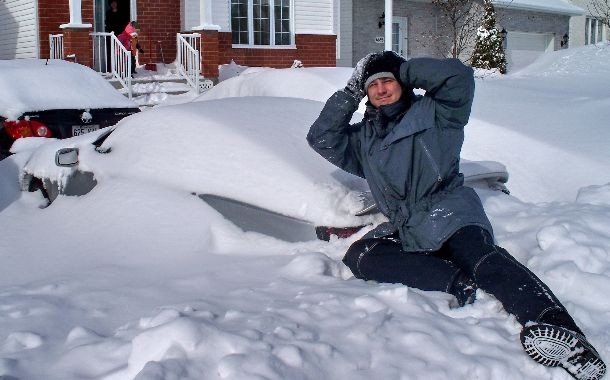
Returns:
<point x="523" y="48"/>
<point x="18" y="29"/>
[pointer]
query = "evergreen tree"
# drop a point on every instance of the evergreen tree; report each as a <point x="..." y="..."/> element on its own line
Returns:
<point x="489" y="49"/>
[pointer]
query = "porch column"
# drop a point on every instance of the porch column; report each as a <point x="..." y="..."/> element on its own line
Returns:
<point x="210" y="57"/>
<point x="205" y="16"/>
<point x="210" y="54"/>
<point x="77" y="43"/>
<point x="76" y="16"/>
<point x="388" y="24"/>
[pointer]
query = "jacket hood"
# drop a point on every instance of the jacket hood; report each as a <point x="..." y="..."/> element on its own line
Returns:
<point x="129" y="29"/>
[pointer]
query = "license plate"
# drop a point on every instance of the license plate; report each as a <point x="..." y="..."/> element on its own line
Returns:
<point x="78" y="130"/>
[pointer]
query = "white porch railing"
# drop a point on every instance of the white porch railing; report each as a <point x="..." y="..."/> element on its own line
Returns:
<point x="56" y="46"/>
<point x="102" y="61"/>
<point x="188" y="58"/>
<point x="112" y="58"/>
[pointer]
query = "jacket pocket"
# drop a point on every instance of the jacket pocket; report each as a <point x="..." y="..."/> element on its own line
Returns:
<point x="433" y="164"/>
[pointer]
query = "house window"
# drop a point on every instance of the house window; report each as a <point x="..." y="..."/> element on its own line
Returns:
<point x="396" y="37"/>
<point x="593" y="31"/>
<point x="282" y="22"/>
<point x="261" y="22"/>
<point x="239" y="21"/>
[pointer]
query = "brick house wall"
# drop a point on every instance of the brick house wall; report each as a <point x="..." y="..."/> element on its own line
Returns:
<point x="312" y="50"/>
<point x="52" y="14"/>
<point x="159" y="21"/>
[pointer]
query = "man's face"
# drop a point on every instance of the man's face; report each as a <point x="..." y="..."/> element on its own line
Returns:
<point x="384" y="91"/>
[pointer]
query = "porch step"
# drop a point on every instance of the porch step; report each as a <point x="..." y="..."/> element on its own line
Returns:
<point x="150" y="88"/>
<point x="150" y="92"/>
<point x="174" y="87"/>
<point x="115" y="82"/>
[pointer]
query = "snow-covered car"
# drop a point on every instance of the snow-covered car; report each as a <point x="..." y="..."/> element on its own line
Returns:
<point x="246" y="157"/>
<point x="55" y="98"/>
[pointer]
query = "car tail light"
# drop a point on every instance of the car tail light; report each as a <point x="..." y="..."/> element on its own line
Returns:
<point x="26" y="128"/>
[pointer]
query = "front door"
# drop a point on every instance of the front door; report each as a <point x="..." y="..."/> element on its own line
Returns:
<point x="399" y="36"/>
<point x="108" y="20"/>
<point x="102" y="9"/>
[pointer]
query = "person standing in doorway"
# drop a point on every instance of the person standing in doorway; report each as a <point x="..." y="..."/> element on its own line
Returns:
<point x="116" y="19"/>
<point x="114" y="22"/>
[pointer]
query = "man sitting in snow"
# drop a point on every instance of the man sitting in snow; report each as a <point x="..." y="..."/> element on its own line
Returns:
<point x="438" y="236"/>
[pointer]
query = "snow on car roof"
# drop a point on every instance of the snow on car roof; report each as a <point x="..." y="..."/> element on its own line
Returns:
<point x="39" y="85"/>
<point x="251" y="149"/>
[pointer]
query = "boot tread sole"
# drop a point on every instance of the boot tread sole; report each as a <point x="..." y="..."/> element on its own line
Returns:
<point x="555" y="346"/>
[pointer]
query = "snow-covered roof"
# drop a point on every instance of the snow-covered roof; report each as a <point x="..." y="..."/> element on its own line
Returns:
<point x="38" y="85"/>
<point x="548" y="6"/>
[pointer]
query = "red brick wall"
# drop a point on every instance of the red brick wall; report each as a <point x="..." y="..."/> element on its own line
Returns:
<point x="52" y="14"/>
<point x="209" y="53"/>
<point x="159" y="22"/>
<point x="316" y="50"/>
<point x="78" y="42"/>
<point x="312" y="50"/>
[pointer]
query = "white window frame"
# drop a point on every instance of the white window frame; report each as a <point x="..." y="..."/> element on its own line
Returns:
<point x="402" y="38"/>
<point x="271" y="27"/>
<point x="590" y="37"/>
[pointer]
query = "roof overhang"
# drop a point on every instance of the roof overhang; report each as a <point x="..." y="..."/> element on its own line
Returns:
<point x="544" y="6"/>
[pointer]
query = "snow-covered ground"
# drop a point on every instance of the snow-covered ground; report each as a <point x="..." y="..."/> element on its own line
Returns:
<point x="131" y="282"/>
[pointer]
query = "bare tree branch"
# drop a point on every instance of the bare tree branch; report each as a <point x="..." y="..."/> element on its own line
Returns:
<point x="600" y="9"/>
<point x="460" y="18"/>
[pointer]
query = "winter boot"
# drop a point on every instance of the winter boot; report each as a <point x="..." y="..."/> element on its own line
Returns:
<point x="554" y="346"/>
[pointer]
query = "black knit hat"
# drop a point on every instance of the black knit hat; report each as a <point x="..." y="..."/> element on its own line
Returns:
<point x="382" y="65"/>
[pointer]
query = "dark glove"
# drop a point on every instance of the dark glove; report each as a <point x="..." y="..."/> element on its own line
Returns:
<point x="139" y="48"/>
<point x="355" y="84"/>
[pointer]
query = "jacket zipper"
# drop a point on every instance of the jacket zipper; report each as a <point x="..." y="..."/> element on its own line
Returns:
<point x="434" y="165"/>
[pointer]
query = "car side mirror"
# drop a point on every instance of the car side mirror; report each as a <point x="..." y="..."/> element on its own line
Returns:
<point x="66" y="157"/>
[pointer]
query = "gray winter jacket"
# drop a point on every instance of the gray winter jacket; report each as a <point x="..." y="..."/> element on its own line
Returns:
<point x="412" y="168"/>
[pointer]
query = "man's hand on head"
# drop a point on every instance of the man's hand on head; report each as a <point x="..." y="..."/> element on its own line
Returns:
<point x="355" y="84"/>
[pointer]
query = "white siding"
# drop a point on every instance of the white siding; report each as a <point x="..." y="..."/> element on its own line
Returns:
<point x="310" y="16"/>
<point x="313" y="16"/>
<point x="345" y="33"/>
<point x="18" y="29"/>
<point x="220" y="14"/>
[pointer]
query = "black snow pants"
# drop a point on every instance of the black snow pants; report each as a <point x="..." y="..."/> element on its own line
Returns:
<point x="470" y="253"/>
